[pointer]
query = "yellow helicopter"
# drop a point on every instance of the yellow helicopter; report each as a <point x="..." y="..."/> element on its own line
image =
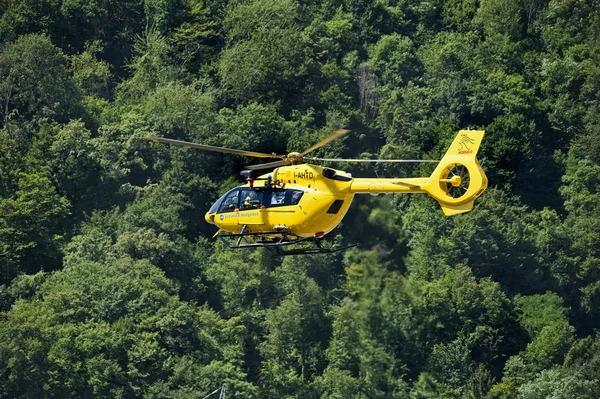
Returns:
<point x="298" y="202"/>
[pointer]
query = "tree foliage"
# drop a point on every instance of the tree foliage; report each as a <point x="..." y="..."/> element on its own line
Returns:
<point x="110" y="283"/>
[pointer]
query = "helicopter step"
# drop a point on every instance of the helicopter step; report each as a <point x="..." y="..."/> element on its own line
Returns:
<point x="278" y="246"/>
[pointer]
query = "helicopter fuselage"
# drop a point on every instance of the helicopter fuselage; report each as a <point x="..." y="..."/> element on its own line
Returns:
<point x="298" y="200"/>
<point x="302" y="200"/>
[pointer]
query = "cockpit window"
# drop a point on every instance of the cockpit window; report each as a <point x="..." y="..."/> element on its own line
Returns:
<point x="230" y="202"/>
<point x="278" y="197"/>
<point x="251" y="199"/>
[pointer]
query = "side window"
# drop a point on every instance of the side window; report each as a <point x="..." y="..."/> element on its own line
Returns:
<point x="283" y="197"/>
<point x="295" y="196"/>
<point x="230" y="202"/>
<point x="251" y="199"/>
<point x="278" y="198"/>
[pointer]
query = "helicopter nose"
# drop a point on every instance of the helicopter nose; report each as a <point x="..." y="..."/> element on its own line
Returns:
<point x="210" y="218"/>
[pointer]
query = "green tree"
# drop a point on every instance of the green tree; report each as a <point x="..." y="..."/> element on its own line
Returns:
<point x="32" y="16"/>
<point x="243" y="282"/>
<point x="199" y="37"/>
<point x="580" y="190"/>
<point x="296" y="333"/>
<point x="255" y="126"/>
<point x="393" y="58"/>
<point x="34" y="81"/>
<point x="74" y="166"/>
<point x="263" y="55"/>
<point x="116" y="329"/>
<point x="31" y="227"/>
<point x="559" y="384"/>
<point x="551" y="336"/>
<point x="500" y="18"/>
<point x="497" y="241"/>
<point x="371" y="337"/>
<point x="152" y="66"/>
<point x="151" y="228"/>
<point x="91" y="75"/>
<point x="558" y="28"/>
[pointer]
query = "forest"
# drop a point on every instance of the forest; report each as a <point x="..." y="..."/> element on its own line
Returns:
<point x="111" y="285"/>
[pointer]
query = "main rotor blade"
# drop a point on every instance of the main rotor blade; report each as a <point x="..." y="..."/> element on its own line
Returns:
<point x="268" y="165"/>
<point x="213" y="148"/>
<point x="370" y="160"/>
<point x="337" y="134"/>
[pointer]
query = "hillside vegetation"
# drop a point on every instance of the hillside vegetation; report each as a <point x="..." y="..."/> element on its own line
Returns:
<point x="112" y="287"/>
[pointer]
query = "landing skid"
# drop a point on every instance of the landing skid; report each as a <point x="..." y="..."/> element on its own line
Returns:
<point x="279" y="246"/>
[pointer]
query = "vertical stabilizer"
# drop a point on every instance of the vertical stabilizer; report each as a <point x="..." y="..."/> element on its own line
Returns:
<point x="458" y="179"/>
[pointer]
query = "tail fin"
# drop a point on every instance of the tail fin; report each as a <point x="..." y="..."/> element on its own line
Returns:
<point x="458" y="179"/>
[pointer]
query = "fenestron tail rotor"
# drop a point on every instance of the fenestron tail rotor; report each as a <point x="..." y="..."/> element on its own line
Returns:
<point x="455" y="180"/>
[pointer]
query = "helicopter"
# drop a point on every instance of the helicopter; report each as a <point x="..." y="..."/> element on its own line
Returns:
<point x="298" y="202"/>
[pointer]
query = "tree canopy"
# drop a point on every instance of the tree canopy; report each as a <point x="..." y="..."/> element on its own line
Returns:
<point x="111" y="285"/>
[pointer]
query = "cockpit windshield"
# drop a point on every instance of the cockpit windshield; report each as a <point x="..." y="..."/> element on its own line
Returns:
<point x="229" y="195"/>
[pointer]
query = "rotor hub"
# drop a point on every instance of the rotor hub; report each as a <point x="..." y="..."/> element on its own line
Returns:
<point x="294" y="157"/>
<point x="455" y="181"/>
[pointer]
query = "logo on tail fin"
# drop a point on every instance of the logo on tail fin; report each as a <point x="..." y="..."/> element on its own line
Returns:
<point x="464" y="145"/>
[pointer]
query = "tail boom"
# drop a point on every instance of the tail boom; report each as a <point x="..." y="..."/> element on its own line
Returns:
<point x="380" y="186"/>
<point x="455" y="183"/>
